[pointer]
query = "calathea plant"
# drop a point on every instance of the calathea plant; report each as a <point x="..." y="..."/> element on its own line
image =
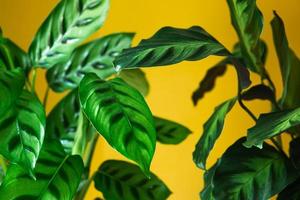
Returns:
<point x="250" y="169"/>
<point x="48" y="157"/>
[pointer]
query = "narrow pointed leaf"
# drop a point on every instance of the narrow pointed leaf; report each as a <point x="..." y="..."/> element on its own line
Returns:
<point x="212" y="129"/>
<point x="261" y="91"/>
<point x="252" y="174"/>
<point x="120" y="113"/>
<point x="291" y="192"/>
<point x="70" y="22"/>
<point x="270" y="125"/>
<point x="119" y="180"/>
<point x="169" y="46"/>
<point x="96" y="56"/>
<point x="169" y="132"/>
<point x="22" y="131"/>
<point x="207" y="192"/>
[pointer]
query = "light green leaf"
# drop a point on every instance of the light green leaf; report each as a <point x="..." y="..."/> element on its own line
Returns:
<point x="120" y="113"/>
<point x="251" y="174"/>
<point x="289" y="65"/>
<point x="57" y="176"/>
<point x="169" y="132"/>
<point x="270" y="125"/>
<point x="71" y="22"/>
<point x="96" y="56"/>
<point x="119" y="180"/>
<point x="169" y="46"/>
<point x="22" y="131"/>
<point x="212" y="129"/>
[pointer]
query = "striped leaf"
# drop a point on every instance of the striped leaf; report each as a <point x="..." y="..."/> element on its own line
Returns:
<point x="96" y="56"/>
<point x="57" y="177"/>
<point x="119" y="180"/>
<point x="11" y="84"/>
<point x="169" y="46"/>
<point x="169" y="132"/>
<point x="71" y="22"/>
<point x="22" y="131"/>
<point x="121" y="115"/>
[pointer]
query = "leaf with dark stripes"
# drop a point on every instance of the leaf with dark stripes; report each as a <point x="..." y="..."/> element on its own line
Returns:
<point x="169" y="46"/>
<point x="11" y="85"/>
<point x="137" y="79"/>
<point x="207" y="192"/>
<point x="22" y="131"/>
<point x="260" y="91"/>
<point x="212" y="129"/>
<point x="70" y="22"/>
<point x="96" y="56"/>
<point x="252" y="174"/>
<point x="120" y="113"/>
<point x="57" y="176"/>
<point x="119" y="180"/>
<point x="169" y="132"/>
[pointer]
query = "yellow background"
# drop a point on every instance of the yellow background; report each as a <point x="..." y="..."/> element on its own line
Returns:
<point x="171" y="87"/>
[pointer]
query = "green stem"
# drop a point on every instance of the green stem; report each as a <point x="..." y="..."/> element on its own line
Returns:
<point x="85" y="188"/>
<point x="46" y="96"/>
<point x="3" y="164"/>
<point x="34" y="74"/>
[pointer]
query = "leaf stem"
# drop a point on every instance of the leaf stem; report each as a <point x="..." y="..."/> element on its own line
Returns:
<point x="85" y="188"/>
<point x="46" y="96"/>
<point x="34" y="74"/>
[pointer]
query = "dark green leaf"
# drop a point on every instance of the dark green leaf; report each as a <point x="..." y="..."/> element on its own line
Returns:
<point x="71" y="22"/>
<point x="291" y="192"/>
<point x="289" y="65"/>
<point x="212" y="129"/>
<point x="207" y="192"/>
<point x="270" y="125"/>
<point x="252" y="173"/>
<point x="261" y="91"/>
<point x="248" y="23"/>
<point x="295" y="152"/>
<point x="22" y="131"/>
<point x="96" y="56"/>
<point x="137" y="79"/>
<point x="169" y="132"/>
<point x="57" y="177"/>
<point x="11" y="84"/>
<point x="169" y="46"/>
<point x="120" y="113"/>
<point x="119" y="180"/>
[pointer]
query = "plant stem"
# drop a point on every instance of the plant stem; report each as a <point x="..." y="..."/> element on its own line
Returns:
<point x="247" y="110"/>
<point x="3" y="164"/>
<point x="33" y="80"/>
<point x="46" y="96"/>
<point x="85" y="188"/>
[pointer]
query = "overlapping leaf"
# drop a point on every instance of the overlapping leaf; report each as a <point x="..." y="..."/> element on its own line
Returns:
<point x="260" y="91"/>
<point x="119" y="180"/>
<point x="169" y="132"/>
<point x="66" y="27"/>
<point x="57" y="176"/>
<point x="291" y="192"/>
<point x="120" y="113"/>
<point x="295" y="152"/>
<point x="211" y="131"/>
<point x="22" y="131"/>
<point x="207" y="192"/>
<point x="96" y="56"/>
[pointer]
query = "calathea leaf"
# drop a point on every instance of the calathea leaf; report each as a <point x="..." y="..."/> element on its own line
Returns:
<point x="248" y="23"/>
<point x="137" y="79"/>
<point x="261" y="91"/>
<point x="22" y="131"/>
<point x="295" y="152"/>
<point x="120" y="180"/>
<point x="207" y="192"/>
<point x="211" y="131"/>
<point x="169" y="132"/>
<point x="291" y="192"/>
<point x="11" y="85"/>
<point x="169" y="46"/>
<point x="96" y="56"/>
<point x="57" y="176"/>
<point x="289" y="65"/>
<point x="270" y="125"/>
<point x="120" y="113"/>
<point x="251" y="173"/>
<point x="71" y="22"/>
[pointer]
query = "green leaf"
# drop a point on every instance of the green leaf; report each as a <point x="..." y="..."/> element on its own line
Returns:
<point x="295" y="152"/>
<point x="119" y="180"/>
<point x="22" y="131"/>
<point x="11" y="85"/>
<point x="291" y="192"/>
<point x="96" y="56"/>
<point x="260" y="91"/>
<point x="136" y="78"/>
<point x="71" y="22"/>
<point x="251" y="174"/>
<point x="169" y="132"/>
<point x="207" y="192"/>
<point x="270" y="125"/>
<point x="289" y="65"/>
<point x="212" y="129"/>
<point x="57" y="176"/>
<point x="120" y="113"/>
<point x="248" y="23"/>
<point x="169" y="46"/>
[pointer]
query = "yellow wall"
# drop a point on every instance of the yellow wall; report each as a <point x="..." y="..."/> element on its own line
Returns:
<point x="171" y="87"/>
